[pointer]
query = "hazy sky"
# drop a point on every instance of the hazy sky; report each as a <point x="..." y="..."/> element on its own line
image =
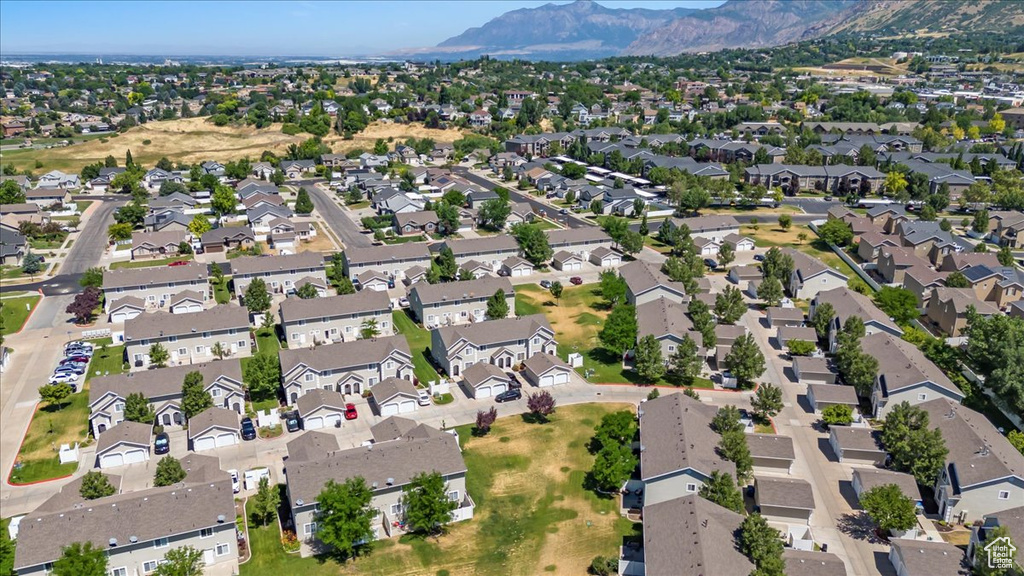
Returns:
<point x="253" y="28"/>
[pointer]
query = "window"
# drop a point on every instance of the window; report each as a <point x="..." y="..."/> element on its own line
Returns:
<point x="464" y="313"/>
<point x="241" y="343"/>
<point x="309" y="376"/>
<point x="223" y="549"/>
<point x="922" y="396"/>
<point x="470" y="350"/>
<point x="160" y="543"/>
<point x="691" y="487"/>
<point x="206" y="335"/>
<point x="119" y="407"/>
<point x="671" y="348"/>
<point x="373" y="380"/>
<point x="200" y="348"/>
<point x="536" y="341"/>
<point x="390" y="365"/>
<point x="206" y="533"/>
<point x="453" y="495"/>
<point x="172" y="339"/>
<point x="384" y="324"/>
<point x="182" y="351"/>
<point x="215" y="393"/>
<point x="122" y="571"/>
<point x="232" y="331"/>
<point x="302" y="322"/>
<point x="138" y="357"/>
<point x="396" y="509"/>
<point x="295" y="335"/>
<point x="149" y="566"/>
<point x="1004" y="494"/>
<point x="309" y="529"/>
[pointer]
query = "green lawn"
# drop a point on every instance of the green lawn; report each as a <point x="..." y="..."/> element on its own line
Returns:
<point x="220" y="292"/>
<point x="545" y="224"/>
<point x="7" y="560"/>
<point x="403" y="239"/>
<point x="83" y="205"/>
<point x="40" y="244"/>
<point x="149" y="263"/>
<point x="419" y="343"/>
<point x="51" y="426"/>
<point x="359" y="205"/>
<point x="532" y="513"/>
<point x="15" y="312"/>
<point x="576" y="320"/>
<point x="106" y="361"/>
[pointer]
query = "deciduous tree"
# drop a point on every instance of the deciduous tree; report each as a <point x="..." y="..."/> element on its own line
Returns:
<point x="899" y="303"/>
<point x="836" y="232"/>
<point x="257" y="299"/>
<point x="619" y="331"/>
<point x="199" y="225"/>
<point x="648" y="362"/>
<point x="138" y="409"/>
<point x="770" y="291"/>
<point x="497" y="306"/>
<point x="914" y="447"/>
<point x="533" y="242"/>
<point x="613" y="287"/>
<point x="428" y="508"/>
<point x="80" y="559"/>
<point x="745" y="360"/>
<point x="685" y="364"/>
<point x="767" y="401"/>
<point x="84" y="306"/>
<point x="158" y="355"/>
<point x="262" y="376"/>
<point x="345" y="516"/>
<point x="541" y="404"/>
<point x="761" y="543"/>
<point x="837" y="415"/>
<point x="733" y="447"/>
<point x="889" y="508"/>
<point x="729" y="305"/>
<point x="194" y="398"/>
<point x="265" y="503"/>
<point x="168" y="472"/>
<point x="494" y="213"/>
<point x="721" y="489"/>
<point x="484" y="421"/>
<point x="182" y="561"/>
<point x="727" y="419"/>
<point x="95" y="484"/>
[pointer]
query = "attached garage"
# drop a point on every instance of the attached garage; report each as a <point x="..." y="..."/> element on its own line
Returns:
<point x="567" y="261"/>
<point x="125" y="443"/>
<point x="484" y="380"/>
<point x="784" y="499"/>
<point x="126" y="308"/>
<point x="213" y="428"/>
<point x="313" y="423"/>
<point x="544" y="370"/>
<point x="394" y="396"/>
<point x="320" y="409"/>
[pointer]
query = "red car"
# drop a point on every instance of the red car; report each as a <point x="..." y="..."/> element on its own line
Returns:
<point x="350" y="412"/>
<point x="179" y="263"/>
<point x="576" y="280"/>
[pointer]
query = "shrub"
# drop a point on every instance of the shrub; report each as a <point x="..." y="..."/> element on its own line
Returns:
<point x="837" y="415"/>
<point x="147" y="142"/>
<point x="604" y="566"/>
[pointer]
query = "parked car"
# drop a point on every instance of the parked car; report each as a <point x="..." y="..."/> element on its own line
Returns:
<point x="576" y="280"/>
<point x="514" y="380"/>
<point x="563" y="211"/>
<point x="234" y="481"/>
<point x="545" y="283"/>
<point x="759" y="257"/>
<point x="423" y="397"/>
<point x="82" y="358"/>
<point x="248" y="429"/>
<point x="76" y="367"/>
<point x="509" y="395"/>
<point x="828" y="198"/>
<point x="162" y="444"/>
<point x="59" y="377"/>
<point x="350" y="412"/>
<point x="78" y="350"/>
<point x="403" y="302"/>
<point x="710" y="263"/>
<point x="291" y="421"/>
<point x="179" y="263"/>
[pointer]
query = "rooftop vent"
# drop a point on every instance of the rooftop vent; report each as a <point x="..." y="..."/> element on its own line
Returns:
<point x="299" y="502"/>
<point x="113" y="542"/>
<point x="390" y="481"/>
<point x="133" y="539"/>
<point x="220" y="518"/>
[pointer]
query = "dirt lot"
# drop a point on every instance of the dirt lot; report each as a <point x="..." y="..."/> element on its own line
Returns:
<point x="195" y="140"/>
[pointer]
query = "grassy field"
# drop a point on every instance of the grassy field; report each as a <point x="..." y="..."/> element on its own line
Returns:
<point x="149" y="263"/>
<point x="15" y="312"/>
<point x="767" y="236"/>
<point x="221" y="294"/>
<point x="419" y="342"/>
<point x="189" y="140"/>
<point x="532" y="514"/>
<point x="576" y="320"/>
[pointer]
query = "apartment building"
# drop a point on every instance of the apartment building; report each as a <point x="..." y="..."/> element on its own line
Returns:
<point x="154" y="285"/>
<point x="335" y="318"/>
<point x="455" y="303"/>
<point x="281" y="273"/>
<point x="392" y="260"/>
<point x="503" y="343"/>
<point x="188" y="338"/>
<point x="490" y="250"/>
<point x="346" y="367"/>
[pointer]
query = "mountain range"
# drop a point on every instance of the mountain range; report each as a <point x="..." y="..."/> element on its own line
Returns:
<point x="585" y="29"/>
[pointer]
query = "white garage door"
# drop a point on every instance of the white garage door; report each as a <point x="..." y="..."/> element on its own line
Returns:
<point x="118" y="317"/>
<point x="575" y="266"/>
<point x="192" y="308"/>
<point x="407" y="406"/>
<point x="205" y="443"/>
<point x="484" y="392"/>
<point x="498" y="389"/>
<point x="547" y="380"/>
<point x="561" y="377"/>
<point x="519" y="272"/>
<point x="379" y="287"/>
<point x="135" y="456"/>
<point x="332" y="420"/>
<point x="389" y="409"/>
<point x="314" y="423"/>
<point x="226" y="439"/>
<point x="112" y="460"/>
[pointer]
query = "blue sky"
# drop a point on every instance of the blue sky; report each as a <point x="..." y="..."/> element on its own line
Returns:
<point x="253" y="28"/>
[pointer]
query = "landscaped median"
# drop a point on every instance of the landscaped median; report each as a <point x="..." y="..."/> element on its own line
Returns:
<point x="532" y="513"/>
<point x="66" y="423"/>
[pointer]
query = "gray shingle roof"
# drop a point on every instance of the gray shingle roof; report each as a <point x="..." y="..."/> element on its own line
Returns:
<point x="154" y="276"/>
<point x="929" y="558"/>
<point x="863" y="439"/>
<point x="390" y="388"/>
<point x="902" y="364"/>
<point x="691" y="536"/>
<point x="210" y="418"/>
<point x="485" y="245"/>
<point x="847" y="303"/>
<point x="271" y="264"/>
<point x="872" y="477"/>
<point x="569" y="236"/>
<point x="162" y="381"/>
<point x="676" y="434"/>
<point x="312" y="445"/>
<point x="771" y="446"/>
<point x="485" y="286"/>
<point x="661" y="317"/>
<point x="128" y="432"/>
<point x="834" y="394"/>
<point x="294" y="309"/>
<point x="784" y="492"/>
<point x="386" y="254"/>
<point x="482" y="371"/>
<point x="398" y="460"/>
<point x="318" y="398"/>
<point x="642" y="276"/>
<point x="541" y="363"/>
<point x="395" y="426"/>
<point x="495" y="331"/>
<point x="344" y="354"/>
<point x="808" y="563"/>
<point x="161" y="324"/>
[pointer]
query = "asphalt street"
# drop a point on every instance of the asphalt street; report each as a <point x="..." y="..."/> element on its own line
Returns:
<point x="514" y="195"/>
<point x="343" y="226"/>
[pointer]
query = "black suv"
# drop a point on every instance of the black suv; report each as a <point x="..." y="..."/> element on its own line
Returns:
<point x="162" y="444"/>
<point x="509" y="395"/>
<point x="291" y="421"/>
<point x="248" y="429"/>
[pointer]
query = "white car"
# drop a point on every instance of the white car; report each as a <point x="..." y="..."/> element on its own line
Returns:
<point x="59" y="377"/>
<point x="424" y="397"/>
<point x="403" y="302"/>
<point x="234" y="480"/>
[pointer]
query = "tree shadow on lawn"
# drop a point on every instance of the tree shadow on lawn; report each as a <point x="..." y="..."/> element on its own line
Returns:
<point x="860" y="527"/>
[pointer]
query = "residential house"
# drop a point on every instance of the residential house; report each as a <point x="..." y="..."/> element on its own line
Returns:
<point x="871" y="244"/>
<point x="929" y="241"/>
<point x="47" y="197"/>
<point x="712" y="226"/>
<point x="296" y="169"/>
<point x="136" y="529"/>
<point x="837" y="178"/>
<point x="456" y="303"/>
<point x="981" y="536"/>
<point x="821" y="396"/>
<point x="348" y="368"/>
<point x="260" y="218"/>
<point x="983" y="473"/>
<point x="154" y="285"/>
<point x="490" y="250"/>
<point x="125" y="443"/>
<point x="846" y="303"/>
<point x="514" y="267"/>
<point x="810" y="563"/>
<point x="504" y="343"/>
<point x="393" y="396"/>
<point x="424" y="222"/>
<point x="904" y="375"/>
<point x="948" y="309"/>
<point x="335" y="318"/>
<point x="605" y="257"/>
<point x="222" y="380"/>
<point x="1000" y="285"/>
<point x="387" y="468"/>
<point x="12" y="247"/>
<point x="520" y="212"/>
<point x="167" y="220"/>
<point x="155" y="178"/>
<point x="227" y="238"/>
<point x="920" y="280"/>
<point x="893" y="263"/>
<point x="811" y="369"/>
<point x="320" y="408"/>
<point x="778" y="316"/>
<point x="646" y="282"/>
<point x="668" y="322"/>
<point x="691" y="536"/>
<point x="392" y="260"/>
<point x="579" y="241"/>
<point x="188" y="338"/>
<point x="545" y="370"/>
<point x="55" y="179"/>
<point x="771" y="452"/>
<point x="484" y="380"/>
<point x="677" y="453"/>
<point x="811" y="276"/>
<point x="960" y="261"/>
<point x="865" y="479"/>
<point x="280" y="273"/>
<point x="857" y="445"/>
